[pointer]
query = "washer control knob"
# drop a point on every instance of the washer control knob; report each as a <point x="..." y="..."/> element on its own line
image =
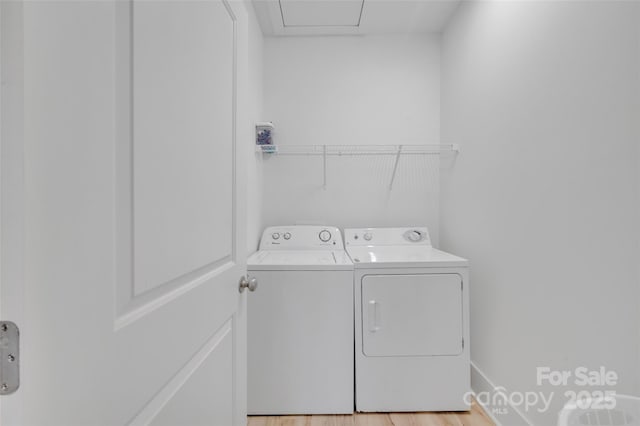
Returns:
<point x="367" y="236"/>
<point x="324" y="235"/>
<point x="275" y="235"/>
<point x="287" y="235"/>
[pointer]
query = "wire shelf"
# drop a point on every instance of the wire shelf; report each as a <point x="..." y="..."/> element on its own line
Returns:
<point x="357" y="150"/>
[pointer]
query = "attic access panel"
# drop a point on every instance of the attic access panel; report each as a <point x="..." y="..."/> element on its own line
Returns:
<point x="321" y="13"/>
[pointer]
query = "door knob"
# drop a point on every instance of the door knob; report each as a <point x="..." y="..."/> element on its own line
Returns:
<point x="248" y="282"/>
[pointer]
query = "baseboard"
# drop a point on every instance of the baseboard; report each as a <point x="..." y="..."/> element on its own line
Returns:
<point x="501" y="415"/>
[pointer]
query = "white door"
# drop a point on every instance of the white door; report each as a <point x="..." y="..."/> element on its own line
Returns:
<point x="411" y="315"/>
<point x="123" y="195"/>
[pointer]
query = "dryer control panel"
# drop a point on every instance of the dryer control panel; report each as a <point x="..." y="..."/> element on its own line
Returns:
<point x="418" y="235"/>
<point x="301" y="237"/>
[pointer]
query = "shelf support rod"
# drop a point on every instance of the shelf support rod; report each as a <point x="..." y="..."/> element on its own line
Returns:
<point x="395" y="166"/>
<point x="324" y="167"/>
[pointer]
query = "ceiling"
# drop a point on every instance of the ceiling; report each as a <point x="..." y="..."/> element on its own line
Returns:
<point x="336" y="17"/>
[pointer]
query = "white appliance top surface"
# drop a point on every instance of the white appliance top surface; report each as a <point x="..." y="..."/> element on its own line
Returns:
<point x="299" y="260"/>
<point x="300" y="257"/>
<point x="401" y="254"/>
<point x="396" y="247"/>
<point x="301" y="237"/>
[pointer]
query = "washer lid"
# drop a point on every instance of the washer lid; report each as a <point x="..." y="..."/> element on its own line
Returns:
<point x="299" y="260"/>
<point x="402" y="256"/>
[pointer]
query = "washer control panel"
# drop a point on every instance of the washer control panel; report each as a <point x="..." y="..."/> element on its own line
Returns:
<point x="418" y="235"/>
<point x="309" y="237"/>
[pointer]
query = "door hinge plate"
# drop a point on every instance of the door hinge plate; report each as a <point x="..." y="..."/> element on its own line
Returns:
<point x="9" y="357"/>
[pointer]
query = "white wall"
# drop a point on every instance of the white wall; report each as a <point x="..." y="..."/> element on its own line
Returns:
<point x="254" y="188"/>
<point x="544" y="99"/>
<point x="352" y="90"/>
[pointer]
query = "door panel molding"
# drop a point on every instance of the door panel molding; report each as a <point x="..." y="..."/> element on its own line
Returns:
<point x="155" y="405"/>
<point x="134" y="300"/>
<point x="144" y="305"/>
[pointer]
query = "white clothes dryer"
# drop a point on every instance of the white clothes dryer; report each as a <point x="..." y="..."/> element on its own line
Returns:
<point x="300" y="323"/>
<point x="412" y="322"/>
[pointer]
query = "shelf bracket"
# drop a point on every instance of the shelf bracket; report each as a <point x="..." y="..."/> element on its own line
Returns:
<point x="395" y="166"/>
<point x="324" y="167"/>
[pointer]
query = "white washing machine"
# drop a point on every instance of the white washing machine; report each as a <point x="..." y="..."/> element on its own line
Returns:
<point x="300" y="323"/>
<point x="412" y="322"/>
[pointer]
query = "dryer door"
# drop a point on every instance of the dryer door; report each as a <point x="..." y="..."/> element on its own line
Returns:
<point x="412" y="315"/>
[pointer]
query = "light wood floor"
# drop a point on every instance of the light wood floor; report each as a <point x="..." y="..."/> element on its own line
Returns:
<point x="475" y="417"/>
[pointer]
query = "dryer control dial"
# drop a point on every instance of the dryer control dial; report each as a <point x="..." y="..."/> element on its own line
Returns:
<point x="367" y="236"/>
<point x="287" y="235"/>
<point x="324" y="235"/>
<point x="414" y="236"/>
<point x="275" y="235"/>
